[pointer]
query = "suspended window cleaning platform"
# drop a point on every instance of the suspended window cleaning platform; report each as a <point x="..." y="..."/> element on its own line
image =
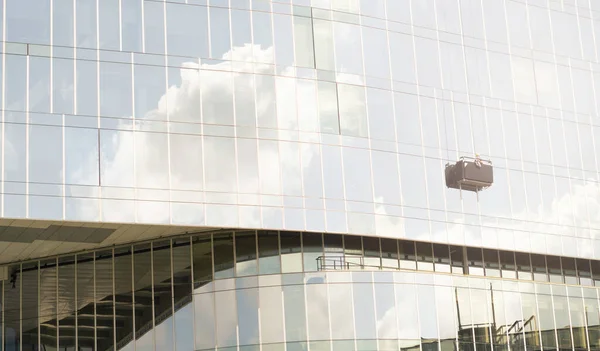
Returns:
<point x="470" y="174"/>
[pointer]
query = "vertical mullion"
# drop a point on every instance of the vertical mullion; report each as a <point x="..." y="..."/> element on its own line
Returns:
<point x="191" y="241"/>
<point x="152" y="289"/>
<point x="39" y="306"/>
<point x="57" y="299"/>
<point x="173" y="330"/>
<point x="75" y="314"/>
<point x="20" y="334"/>
<point x="114" y="326"/>
<point x="133" y="339"/>
<point x="95" y="299"/>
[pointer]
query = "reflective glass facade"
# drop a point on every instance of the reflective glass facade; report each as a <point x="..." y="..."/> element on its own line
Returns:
<point x="322" y="115"/>
<point x="266" y="290"/>
<point x="326" y="125"/>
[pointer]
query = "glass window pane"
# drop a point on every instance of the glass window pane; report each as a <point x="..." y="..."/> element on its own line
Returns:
<point x="532" y="337"/>
<point x="386" y="312"/>
<point x="48" y="305"/>
<point x="226" y="314"/>
<point x="28" y="24"/>
<point x="108" y="31"/>
<point x="187" y="30"/>
<point x="219" y="32"/>
<point x="318" y="322"/>
<point x="499" y="334"/>
<point x="424" y="257"/>
<point x="372" y="252"/>
<point x="30" y="306"/>
<point x="295" y="317"/>
<point x="217" y="108"/>
<point x="364" y="311"/>
<point x="86" y="23"/>
<point x="507" y="264"/>
<point x="389" y="253"/>
<point x="475" y="260"/>
<point x="312" y="244"/>
<point x="457" y="258"/>
<point x="66" y="301"/>
<point x="480" y="309"/>
<point x="204" y="316"/>
<point x="538" y="263"/>
<point x="412" y="177"/>
<point x="561" y="316"/>
<point x="115" y="90"/>
<point x="142" y="286"/>
<point x="352" y="108"/>
<point x="546" y="320"/>
<point x="149" y="87"/>
<point x="303" y="42"/>
<point x="348" y="48"/>
<point x="163" y="296"/>
<point x="402" y="54"/>
<point x="87" y="89"/>
<point x="492" y="266"/>
<point x="328" y="107"/>
<point x="86" y="300"/>
<point x="245" y="101"/>
<point x="245" y="249"/>
<point x="340" y="304"/>
<point x="182" y="294"/>
<point x="154" y="27"/>
<point x="584" y="272"/>
<point x="131" y="26"/>
<point x="596" y="272"/>
<point x="512" y="310"/>
<point x="223" y="255"/>
<point x="477" y="71"/>
<point x="123" y="285"/>
<point x="578" y="322"/>
<point x="291" y="252"/>
<point x="441" y="254"/>
<point x="15" y="82"/>
<point x="323" y="35"/>
<point x="569" y="270"/>
<point x="186" y="171"/>
<point x="241" y="33"/>
<point x="592" y="316"/>
<point x="381" y="112"/>
<point x="202" y="260"/>
<point x="62" y="22"/>
<point x="428" y="66"/>
<point x="357" y="175"/>
<point x="307" y="105"/>
<point x="45" y="154"/>
<point x="376" y="51"/>
<point x="271" y="314"/>
<point x="262" y="35"/>
<point x="407" y="255"/>
<point x="247" y="307"/>
<point x="353" y="254"/>
<point x="523" y="266"/>
<point x="406" y="302"/>
<point x="151" y="157"/>
<point x="428" y="314"/>
<point x="39" y="84"/>
<point x="219" y="164"/>
<point x="268" y="252"/>
<point x="554" y="269"/>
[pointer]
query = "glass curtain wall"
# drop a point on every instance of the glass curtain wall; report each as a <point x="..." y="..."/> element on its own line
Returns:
<point x="230" y="289"/>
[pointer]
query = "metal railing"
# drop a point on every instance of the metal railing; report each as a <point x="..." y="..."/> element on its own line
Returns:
<point x="328" y="263"/>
